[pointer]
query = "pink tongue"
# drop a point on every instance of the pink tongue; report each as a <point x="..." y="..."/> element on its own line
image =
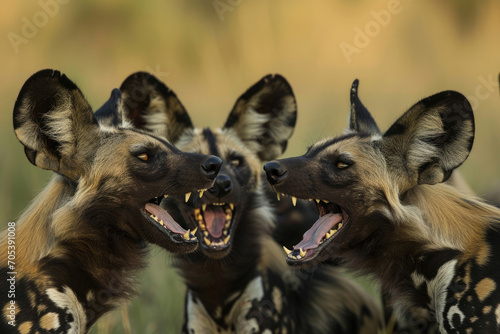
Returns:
<point x="168" y="221"/>
<point x="215" y="219"/>
<point x="313" y="236"/>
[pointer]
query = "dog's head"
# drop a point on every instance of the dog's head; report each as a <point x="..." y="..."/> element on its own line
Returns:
<point x="117" y="174"/>
<point x="357" y="179"/>
<point x="257" y="130"/>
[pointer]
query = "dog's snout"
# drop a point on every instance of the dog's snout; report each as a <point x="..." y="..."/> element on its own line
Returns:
<point x="222" y="186"/>
<point x="211" y="167"/>
<point x="275" y="172"/>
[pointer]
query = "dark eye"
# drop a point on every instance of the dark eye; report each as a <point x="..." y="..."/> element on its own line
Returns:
<point x="143" y="156"/>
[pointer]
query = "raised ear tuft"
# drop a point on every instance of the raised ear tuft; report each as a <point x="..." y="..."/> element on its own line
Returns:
<point x="50" y="114"/>
<point x="264" y="116"/>
<point x="360" y="120"/>
<point x="431" y="139"/>
<point x="150" y="105"/>
<point x="110" y="113"/>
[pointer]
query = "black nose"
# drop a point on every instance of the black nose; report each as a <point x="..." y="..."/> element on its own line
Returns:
<point x="222" y="186"/>
<point x="211" y="167"/>
<point x="275" y="172"/>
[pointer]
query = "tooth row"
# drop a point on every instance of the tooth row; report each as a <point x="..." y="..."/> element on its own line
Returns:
<point x="218" y="243"/>
<point x="294" y="199"/>
<point x="302" y="253"/>
<point x="199" y="218"/>
<point x="158" y="221"/>
<point x="188" y="195"/>
<point x="332" y="231"/>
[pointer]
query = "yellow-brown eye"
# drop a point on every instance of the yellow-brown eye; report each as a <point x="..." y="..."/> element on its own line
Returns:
<point x="143" y="156"/>
<point x="341" y="165"/>
<point x="235" y="162"/>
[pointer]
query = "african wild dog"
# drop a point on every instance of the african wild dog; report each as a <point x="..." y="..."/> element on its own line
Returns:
<point x="80" y="244"/>
<point x="237" y="282"/>
<point x="384" y="210"/>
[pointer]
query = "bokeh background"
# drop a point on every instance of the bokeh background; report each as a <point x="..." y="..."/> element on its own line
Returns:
<point x="209" y="52"/>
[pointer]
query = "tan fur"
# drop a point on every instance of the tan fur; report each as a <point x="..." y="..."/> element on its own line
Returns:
<point x="444" y="210"/>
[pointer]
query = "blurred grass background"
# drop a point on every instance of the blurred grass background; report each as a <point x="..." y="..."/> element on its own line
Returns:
<point x="209" y="52"/>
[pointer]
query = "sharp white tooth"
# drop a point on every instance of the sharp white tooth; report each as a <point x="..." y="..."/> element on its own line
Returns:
<point x="226" y="239"/>
<point x="302" y="253"/>
<point x="207" y="241"/>
<point x="194" y="231"/>
<point x="161" y="222"/>
<point x="298" y="257"/>
<point x="201" y="193"/>
<point x="225" y="232"/>
<point x="287" y="251"/>
<point x="317" y="201"/>
<point x="231" y="205"/>
<point x="165" y="196"/>
<point x="203" y="207"/>
<point x="186" y="235"/>
<point x="340" y="225"/>
<point x="326" y="201"/>
<point x="279" y="197"/>
<point x="187" y="196"/>
<point x="294" y="200"/>
<point x="329" y="234"/>
<point x="310" y="199"/>
<point x="205" y="233"/>
<point x="228" y="217"/>
<point x="196" y="212"/>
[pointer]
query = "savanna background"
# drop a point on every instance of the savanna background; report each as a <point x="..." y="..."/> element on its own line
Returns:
<point x="209" y="52"/>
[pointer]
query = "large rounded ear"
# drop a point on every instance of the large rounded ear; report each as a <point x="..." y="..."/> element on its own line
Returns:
<point x="51" y="116"/>
<point x="264" y="116"/>
<point x="431" y="139"/>
<point x="360" y="119"/>
<point x="150" y="105"/>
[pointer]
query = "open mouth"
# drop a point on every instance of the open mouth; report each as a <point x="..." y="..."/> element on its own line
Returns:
<point x="164" y="222"/>
<point x="330" y="224"/>
<point x="214" y="224"/>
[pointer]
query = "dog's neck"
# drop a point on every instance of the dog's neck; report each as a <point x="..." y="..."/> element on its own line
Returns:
<point x="436" y="226"/>
<point x="63" y="257"/>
